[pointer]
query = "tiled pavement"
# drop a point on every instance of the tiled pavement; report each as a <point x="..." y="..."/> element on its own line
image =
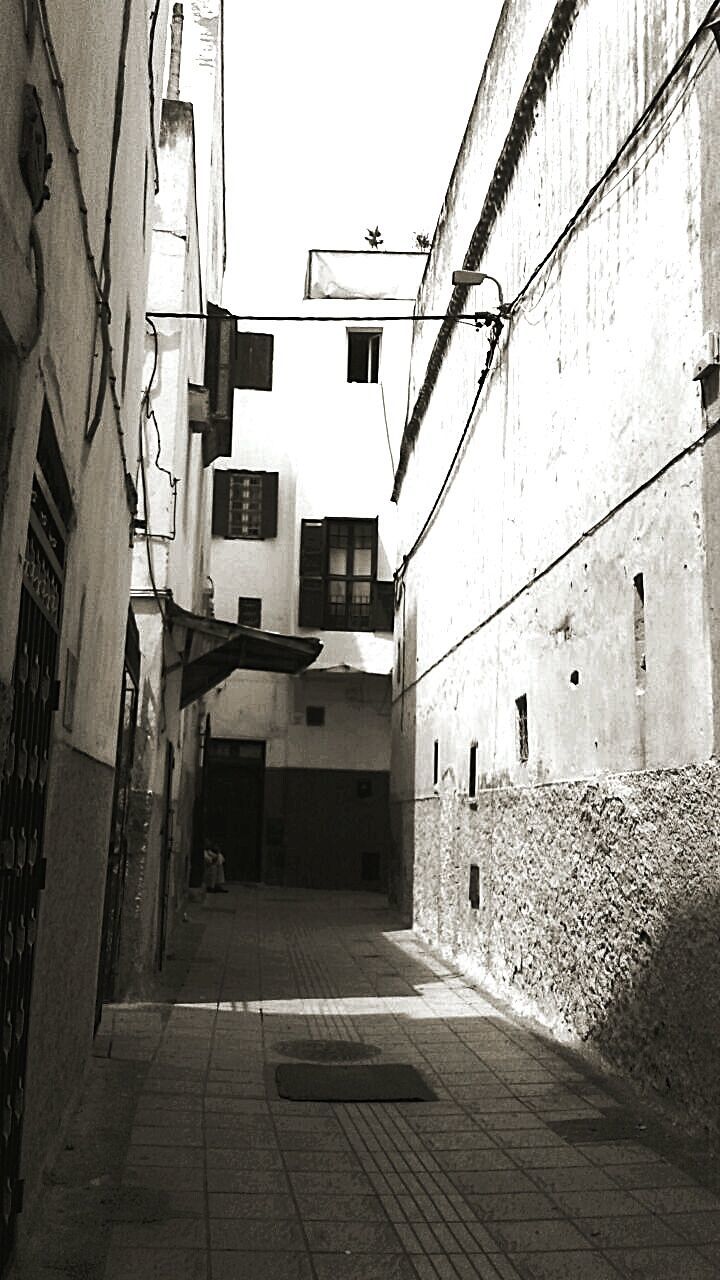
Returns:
<point x="222" y="1179"/>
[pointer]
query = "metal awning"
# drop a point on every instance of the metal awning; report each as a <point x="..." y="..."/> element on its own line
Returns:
<point x="213" y="649"/>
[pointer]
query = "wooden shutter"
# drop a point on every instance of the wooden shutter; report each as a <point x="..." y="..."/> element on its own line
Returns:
<point x="221" y="503"/>
<point x="383" y="613"/>
<point x="254" y="361"/>
<point x="219" y="361"/>
<point x="312" y="573"/>
<point x="269" y="509"/>
<point x="312" y="602"/>
<point x="312" y="549"/>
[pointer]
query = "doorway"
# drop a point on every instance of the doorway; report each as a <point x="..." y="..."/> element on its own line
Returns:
<point x="234" y="788"/>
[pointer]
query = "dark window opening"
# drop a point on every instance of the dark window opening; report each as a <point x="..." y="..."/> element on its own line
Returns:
<point x="574" y="677"/>
<point x="472" y="773"/>
<point x="339" y="590"/>
<point x="363" y="357"/>
<point x="639" y="629"/>
<point x="250" y="611"/>
<point x="522" y="728"/>
<point x="315" y="716"/>
<point x="370" y="865"/>
<point x="474" y="886"/>
<point x="245" y="504"/>
<point x="436" y="761"/>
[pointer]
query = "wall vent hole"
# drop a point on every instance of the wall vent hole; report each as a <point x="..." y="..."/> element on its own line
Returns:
<point x="574" y="677"/>
<point x="474" y="887"/>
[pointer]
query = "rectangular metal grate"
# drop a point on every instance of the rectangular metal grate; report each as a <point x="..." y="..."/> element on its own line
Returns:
<point x="388" y="1082"/>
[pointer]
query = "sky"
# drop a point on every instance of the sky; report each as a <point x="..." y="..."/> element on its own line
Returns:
<point x="340" y="117"/>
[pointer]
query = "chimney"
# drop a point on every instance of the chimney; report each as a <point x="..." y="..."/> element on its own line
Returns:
<point x="176" y="28"/>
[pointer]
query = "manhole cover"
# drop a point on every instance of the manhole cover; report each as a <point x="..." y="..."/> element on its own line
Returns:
<point x="328" y="1050"/>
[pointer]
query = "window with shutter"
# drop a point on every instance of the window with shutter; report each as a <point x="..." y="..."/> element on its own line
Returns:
<point x="245" y="504"/>
<point x="338" y="567"/>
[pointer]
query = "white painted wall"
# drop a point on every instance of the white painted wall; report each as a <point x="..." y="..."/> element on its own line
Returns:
<point x="334" y="445"/>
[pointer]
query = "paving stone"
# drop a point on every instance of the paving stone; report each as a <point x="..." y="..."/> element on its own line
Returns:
<point x="342" y="1208"/>
<point x="700" y="1228"/>
<point x="598" y="1203"/>
<point x="267" y="1206"/>
<point x="154" y="1264"/>
<point x="338" y="1266"/>
<point x="517" y="1205"/>
<point x="170" y="1233"/>
<point x="237" y="1264"/>
<point x="566" y="1265"/>
<point x="352" y="1237"/>
<point x="662" y="1264"/>
<point x="547" y="1235"/>
<point x="618" y="1233"/>
<point x="252" y="1235"/>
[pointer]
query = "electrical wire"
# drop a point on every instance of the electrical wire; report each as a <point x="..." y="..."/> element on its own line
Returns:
<point x="642" y="119"/>
<point x="106" y="371"/>
<point x="203" y="315"/>
<point x="569" y="227"/>
<point x="73" y="153"/>
<point x="667" y="466"/>
<point x="496" y="326"/>
<point x="151" y="89"/>
<point x="150" y="416"/>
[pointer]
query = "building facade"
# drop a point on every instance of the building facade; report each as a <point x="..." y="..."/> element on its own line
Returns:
<point x="170" y="563"/>
<point x="304" y="541"/>
<point x="77" y="161"/>
<point x="555" y="701"/>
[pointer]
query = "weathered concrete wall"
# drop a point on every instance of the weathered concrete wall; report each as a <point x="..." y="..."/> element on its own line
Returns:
<point x="598" y="914"/>
<point x="583" y="467"/>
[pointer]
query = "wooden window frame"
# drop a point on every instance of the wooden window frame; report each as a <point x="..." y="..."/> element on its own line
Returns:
<point x="317" y="609"/>
<point x="227" y="517"/>
<point x="366" y="364"/>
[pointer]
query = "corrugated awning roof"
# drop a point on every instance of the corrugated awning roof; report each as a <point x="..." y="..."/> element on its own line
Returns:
<point x="214" y="649"/>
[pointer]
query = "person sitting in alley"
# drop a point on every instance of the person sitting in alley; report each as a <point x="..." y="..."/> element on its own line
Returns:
<point x="214" y="868"/>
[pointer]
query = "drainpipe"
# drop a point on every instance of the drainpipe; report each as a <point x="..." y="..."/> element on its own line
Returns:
<point x="176" y="30"/>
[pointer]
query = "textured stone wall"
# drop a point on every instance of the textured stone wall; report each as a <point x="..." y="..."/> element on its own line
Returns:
<point x="599" y="914"/>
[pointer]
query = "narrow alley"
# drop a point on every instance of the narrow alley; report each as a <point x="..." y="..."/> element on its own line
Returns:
<point x="183" y="1163"/>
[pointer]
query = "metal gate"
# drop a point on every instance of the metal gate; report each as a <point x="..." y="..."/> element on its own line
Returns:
<point x="22" y="817"/>
<point x="118" y="849"/>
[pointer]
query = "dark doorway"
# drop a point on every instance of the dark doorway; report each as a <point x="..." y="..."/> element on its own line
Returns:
<point x="118" y="849"/>
<point x="235" y="780"/>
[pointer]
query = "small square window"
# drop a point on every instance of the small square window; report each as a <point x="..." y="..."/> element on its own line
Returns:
<point x="363" y="355"/>
<point x="249" y="611"/>
<point x="315" y="716"/>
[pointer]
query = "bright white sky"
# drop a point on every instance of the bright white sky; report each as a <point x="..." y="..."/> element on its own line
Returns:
<point x="340" y="117"/>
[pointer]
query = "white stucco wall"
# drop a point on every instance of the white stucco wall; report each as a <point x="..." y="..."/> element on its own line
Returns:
<point x="334" y="445"/>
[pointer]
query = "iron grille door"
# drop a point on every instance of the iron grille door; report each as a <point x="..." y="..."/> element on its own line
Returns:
<point x="22" y="818"/>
